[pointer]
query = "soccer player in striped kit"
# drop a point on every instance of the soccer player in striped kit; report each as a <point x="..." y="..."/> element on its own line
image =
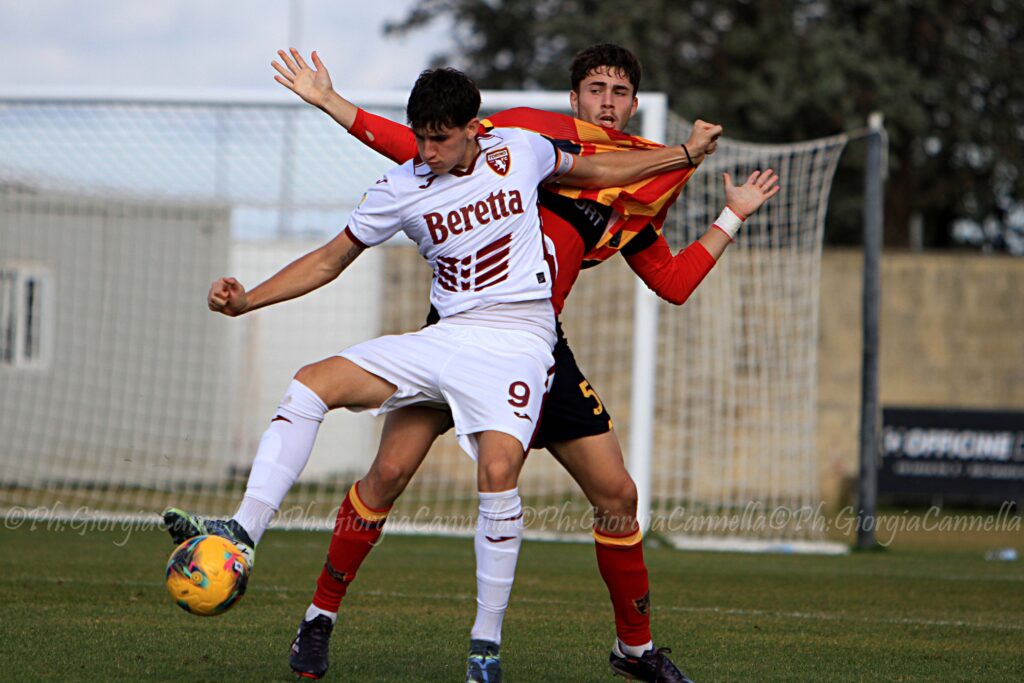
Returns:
<point x="468" y="200"/>
<point x="575" y="425"/>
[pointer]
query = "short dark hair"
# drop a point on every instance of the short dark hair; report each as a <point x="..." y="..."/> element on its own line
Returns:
<point x="442" y="98"/>
<point x="608" y="55"/>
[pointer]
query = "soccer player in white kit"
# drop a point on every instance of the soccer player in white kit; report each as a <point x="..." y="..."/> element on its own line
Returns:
<point x="469" y="201"/>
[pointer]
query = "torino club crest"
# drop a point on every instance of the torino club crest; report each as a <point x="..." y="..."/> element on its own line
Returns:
<point x="499" y="160"/>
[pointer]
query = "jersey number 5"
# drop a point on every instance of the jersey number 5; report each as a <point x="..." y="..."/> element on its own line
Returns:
<point x="589" y="392"/>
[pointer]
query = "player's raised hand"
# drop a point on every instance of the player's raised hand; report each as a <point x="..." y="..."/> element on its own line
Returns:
<point x="748" y="197"/>
<point x="703" y="140"/>
<point x="311" y="84"/>
<point x="227" y="296"/>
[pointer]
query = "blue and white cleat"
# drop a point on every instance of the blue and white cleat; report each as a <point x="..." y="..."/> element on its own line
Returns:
<point x="484" y="664"/>
<point x="183" y="525"/>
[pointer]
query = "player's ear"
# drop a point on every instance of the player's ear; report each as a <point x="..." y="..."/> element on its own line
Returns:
<point x="574" y="103"/>
<point x="636" y="103"/>
<point x="472" y="128"/>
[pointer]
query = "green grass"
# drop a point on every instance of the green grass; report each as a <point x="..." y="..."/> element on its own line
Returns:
<point x="92" y="606"/>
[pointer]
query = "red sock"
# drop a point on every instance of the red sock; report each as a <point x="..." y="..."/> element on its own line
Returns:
<point x="355" y="532"/>
<point x="620" y="558"/>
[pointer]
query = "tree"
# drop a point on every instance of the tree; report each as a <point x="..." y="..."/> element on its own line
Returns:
<point x="944" y="75"/>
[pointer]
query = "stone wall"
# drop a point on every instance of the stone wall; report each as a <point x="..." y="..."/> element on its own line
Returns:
<point x="952" y="335"/>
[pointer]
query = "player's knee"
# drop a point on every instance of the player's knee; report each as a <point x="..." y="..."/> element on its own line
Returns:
<point x="391" y="475"/>
<point x="308" y="375"/>
<point x="618" y="500"/>
<point x="498" y="474"/>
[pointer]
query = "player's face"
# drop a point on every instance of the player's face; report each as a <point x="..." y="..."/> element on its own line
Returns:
<point x="443" y="149"/>
<point x="605" y="98"/>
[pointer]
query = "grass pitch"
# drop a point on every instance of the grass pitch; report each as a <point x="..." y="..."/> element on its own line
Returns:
<point x="92" y="606"/>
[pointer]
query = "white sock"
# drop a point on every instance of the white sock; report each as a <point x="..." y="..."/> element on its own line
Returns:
<point x="499" y="533"/>
<point x="254" y="516"/>
<point x="623" y="650"/>
<point x="312" y="612"/>
<point x="281" y="456"/>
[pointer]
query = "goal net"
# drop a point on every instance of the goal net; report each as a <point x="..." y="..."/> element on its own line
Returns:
<point x="120" y="393"/>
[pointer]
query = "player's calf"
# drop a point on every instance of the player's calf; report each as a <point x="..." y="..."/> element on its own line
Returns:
<point x="499" y="535"/>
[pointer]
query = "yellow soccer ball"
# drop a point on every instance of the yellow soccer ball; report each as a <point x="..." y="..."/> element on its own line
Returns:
<point x="206" y="575"/>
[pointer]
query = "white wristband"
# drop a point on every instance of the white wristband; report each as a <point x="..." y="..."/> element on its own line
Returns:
<point x="729" y="222"/>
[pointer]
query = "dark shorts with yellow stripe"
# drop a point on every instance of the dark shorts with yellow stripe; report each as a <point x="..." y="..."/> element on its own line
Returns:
<point x="572" y="409"/>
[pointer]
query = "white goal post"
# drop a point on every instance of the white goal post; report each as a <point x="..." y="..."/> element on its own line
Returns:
<point x="120" y="392"/>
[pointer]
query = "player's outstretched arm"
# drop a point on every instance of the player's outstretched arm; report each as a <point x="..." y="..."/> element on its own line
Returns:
<point x="741" y="202"/>
<point x="674" y="278"/>
<point x="751" y="195"/>
<point x="314" y="86"/>
<point x="309" y="272"/>
<point x="622" y="168"/>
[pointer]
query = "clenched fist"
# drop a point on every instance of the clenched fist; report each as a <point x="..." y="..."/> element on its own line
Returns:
<point x="703" y="140"/>
<point x="227" y="296"/>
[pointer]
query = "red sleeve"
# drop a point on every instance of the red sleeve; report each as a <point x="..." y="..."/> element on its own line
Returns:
<point x="673" y="278"/>
<point x="385" y="136"/>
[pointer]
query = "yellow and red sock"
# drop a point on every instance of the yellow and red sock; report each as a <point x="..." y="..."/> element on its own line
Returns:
<point x="620" y="559"/>
<point x="355" y="533"/>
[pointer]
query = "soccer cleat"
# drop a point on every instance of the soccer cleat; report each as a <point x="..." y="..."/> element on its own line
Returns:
<point x="308" y="657"/>
<point x="183" y="525"/>
<point x="653" y="666"/>
<point x="484" y="664"/>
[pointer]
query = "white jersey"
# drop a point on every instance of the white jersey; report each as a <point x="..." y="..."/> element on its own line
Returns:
<point x="478" y="228"/>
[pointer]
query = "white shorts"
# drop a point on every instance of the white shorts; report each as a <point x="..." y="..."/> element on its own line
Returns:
<point x="493" y="379"/>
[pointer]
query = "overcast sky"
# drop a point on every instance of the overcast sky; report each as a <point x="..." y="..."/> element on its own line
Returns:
<point x="204" y="44"/>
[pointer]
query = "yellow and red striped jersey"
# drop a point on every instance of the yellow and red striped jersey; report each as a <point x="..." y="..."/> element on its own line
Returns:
<point x="635" y="206"/>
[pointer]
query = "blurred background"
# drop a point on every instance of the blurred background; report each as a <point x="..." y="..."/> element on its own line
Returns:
<point x="943" y="73"/>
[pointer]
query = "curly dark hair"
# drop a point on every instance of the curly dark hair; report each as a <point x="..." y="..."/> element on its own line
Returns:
<point x="442" y="98"/>
<point x="607" y="55"/>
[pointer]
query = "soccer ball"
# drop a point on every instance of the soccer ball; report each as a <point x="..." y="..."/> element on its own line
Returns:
<point x="206" y="575"/>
